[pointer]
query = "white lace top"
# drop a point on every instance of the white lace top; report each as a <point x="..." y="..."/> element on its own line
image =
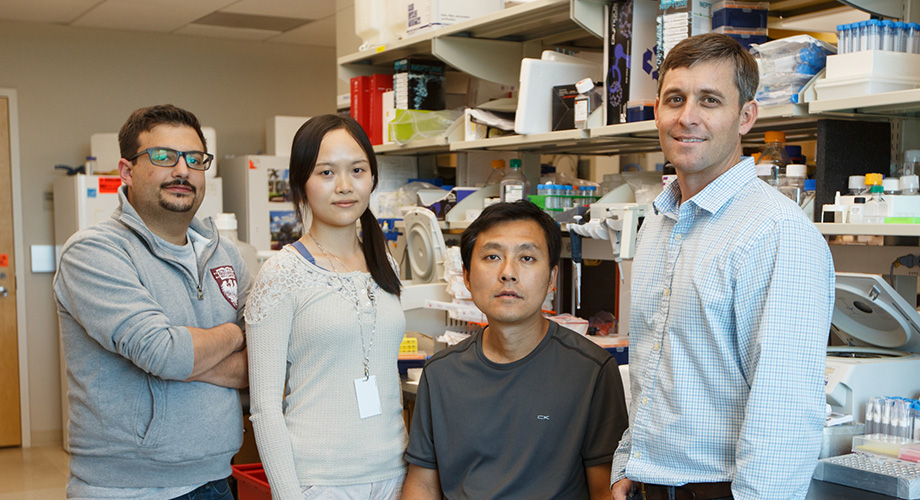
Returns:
<point x="305" y="341"/>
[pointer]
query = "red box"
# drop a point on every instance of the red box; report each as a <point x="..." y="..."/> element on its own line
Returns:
<point x="251" y="483"/>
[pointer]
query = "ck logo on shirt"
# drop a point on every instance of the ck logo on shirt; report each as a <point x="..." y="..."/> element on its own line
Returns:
<point x="542" y="417"/>
<point x="226" y="280"/>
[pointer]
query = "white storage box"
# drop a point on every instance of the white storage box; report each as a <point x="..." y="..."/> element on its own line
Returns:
<point x="873" y="63"/>
<point x="432" y="14"/>
<point x="280" y="132"/>
<point x="856" y="86"/>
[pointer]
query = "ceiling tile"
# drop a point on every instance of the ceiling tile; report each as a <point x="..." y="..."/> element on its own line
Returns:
<point x="148" y="15"/>
<point x="320" y="33"/>
<point x="303" y="9"/>
<point x="223" y="32"/>
<point x="45" y="11"/>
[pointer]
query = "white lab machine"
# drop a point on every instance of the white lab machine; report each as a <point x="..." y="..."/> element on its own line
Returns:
<point x="882" y="333"/>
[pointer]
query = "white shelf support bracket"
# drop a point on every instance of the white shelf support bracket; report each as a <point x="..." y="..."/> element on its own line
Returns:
<point x="493" y="60"/>
<point x="589" y="15"/>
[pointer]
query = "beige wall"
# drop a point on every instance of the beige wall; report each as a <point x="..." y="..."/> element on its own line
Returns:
<point x="75" y="82"/>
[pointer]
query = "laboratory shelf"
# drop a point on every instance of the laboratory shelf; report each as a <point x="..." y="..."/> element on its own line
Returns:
<point x="897" y="103"/>
<point x="504" y="35"/>
<point x="550" y="141"/>
<point x="832" y="229"/>
<point x="437" y="144"/>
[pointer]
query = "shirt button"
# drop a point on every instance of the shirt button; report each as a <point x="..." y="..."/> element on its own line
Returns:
<point x="656" y="347"/>
<point x="645" y="400"/>
<point x="667" y="292"/>
<point x="637" y="455"/>
<point x="678" y="237"/>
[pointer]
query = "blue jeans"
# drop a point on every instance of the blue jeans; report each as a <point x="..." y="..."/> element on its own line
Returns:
<point x="215" y="490"/>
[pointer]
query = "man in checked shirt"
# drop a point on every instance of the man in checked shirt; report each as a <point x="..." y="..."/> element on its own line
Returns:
<point x="732" y="296"/>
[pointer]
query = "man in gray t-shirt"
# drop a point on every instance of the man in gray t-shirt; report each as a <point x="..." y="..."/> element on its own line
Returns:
<point x="526" y="409"/>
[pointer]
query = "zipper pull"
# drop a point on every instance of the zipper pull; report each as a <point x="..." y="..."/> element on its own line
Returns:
<point x="200" y="293"/>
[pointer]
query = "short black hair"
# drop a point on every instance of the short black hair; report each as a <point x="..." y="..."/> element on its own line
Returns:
<point x="144" y="119"/>
<point x="500" y="213"/>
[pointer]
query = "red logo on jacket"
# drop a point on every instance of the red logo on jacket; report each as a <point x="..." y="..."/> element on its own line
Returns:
<point x="226" y="280"/>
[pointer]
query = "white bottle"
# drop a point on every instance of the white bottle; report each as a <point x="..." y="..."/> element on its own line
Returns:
<point x="909" y="185"/>
<point x="856" y="184"/>
<point x="514" y="186"/>
<point x="226" y="225"/>
<point x="857" y="210"/>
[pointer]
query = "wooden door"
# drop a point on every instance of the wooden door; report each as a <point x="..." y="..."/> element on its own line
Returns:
<point x="10" y="424"/>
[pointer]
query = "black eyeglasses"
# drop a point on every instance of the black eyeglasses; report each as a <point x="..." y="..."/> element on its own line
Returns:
<point x="168" y="157"/>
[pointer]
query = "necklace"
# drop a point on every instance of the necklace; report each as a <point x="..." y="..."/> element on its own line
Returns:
<point x="365" y="347"/>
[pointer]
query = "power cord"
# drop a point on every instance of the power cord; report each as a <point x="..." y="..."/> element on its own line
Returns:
<point x="908" y="260"/>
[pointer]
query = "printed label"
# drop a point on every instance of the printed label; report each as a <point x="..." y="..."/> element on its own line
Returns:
<point x="109" y="185"/>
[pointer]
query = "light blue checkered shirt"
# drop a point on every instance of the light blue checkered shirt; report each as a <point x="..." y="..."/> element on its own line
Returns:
<point x="732" y="295"/>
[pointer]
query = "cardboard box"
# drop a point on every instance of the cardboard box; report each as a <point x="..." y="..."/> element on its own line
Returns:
<point x="410" y="75"/>
<point x="564" y="107"/>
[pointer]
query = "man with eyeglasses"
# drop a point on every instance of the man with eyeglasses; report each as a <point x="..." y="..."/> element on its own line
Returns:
<point x="151" y="306"/>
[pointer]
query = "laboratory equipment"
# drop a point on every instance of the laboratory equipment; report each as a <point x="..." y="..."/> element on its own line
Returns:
<point x="882" y="333"/>
<point x="889" y="476"/>
<point x="425" y="245"/>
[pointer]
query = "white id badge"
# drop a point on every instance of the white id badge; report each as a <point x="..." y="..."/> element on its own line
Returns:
<point x="368" y="396"/>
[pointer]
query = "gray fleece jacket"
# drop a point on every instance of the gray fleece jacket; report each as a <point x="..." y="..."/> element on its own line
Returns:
<point x="124" y="303"/>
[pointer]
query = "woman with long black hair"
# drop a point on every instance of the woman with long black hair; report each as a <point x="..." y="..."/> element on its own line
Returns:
<point x="324" y="325"/>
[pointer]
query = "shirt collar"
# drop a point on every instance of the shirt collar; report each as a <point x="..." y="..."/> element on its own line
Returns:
<point x="714" y="195"/>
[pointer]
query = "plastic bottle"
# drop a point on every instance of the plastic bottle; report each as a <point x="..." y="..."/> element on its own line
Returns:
<point x="876" y="206"/>
<point x="873" y="179"/>
<point x="226" y="225"/>
<point x="771" y="166"/>
<point x="514" y="186"/>
<point x="498" y="172"/>
<point x="590" y="193"/>
<point x="891" y="185"/>
<point x="857" y="210"/>
<point x="856" y="184"/>
<point x="90" y="165"/>
<point x="795" y="182"/>
<point x="582" y="106"/>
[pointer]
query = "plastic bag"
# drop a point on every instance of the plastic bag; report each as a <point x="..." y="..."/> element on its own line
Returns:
<point x="412" y="124"/>
<point x="787" y="64"/>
